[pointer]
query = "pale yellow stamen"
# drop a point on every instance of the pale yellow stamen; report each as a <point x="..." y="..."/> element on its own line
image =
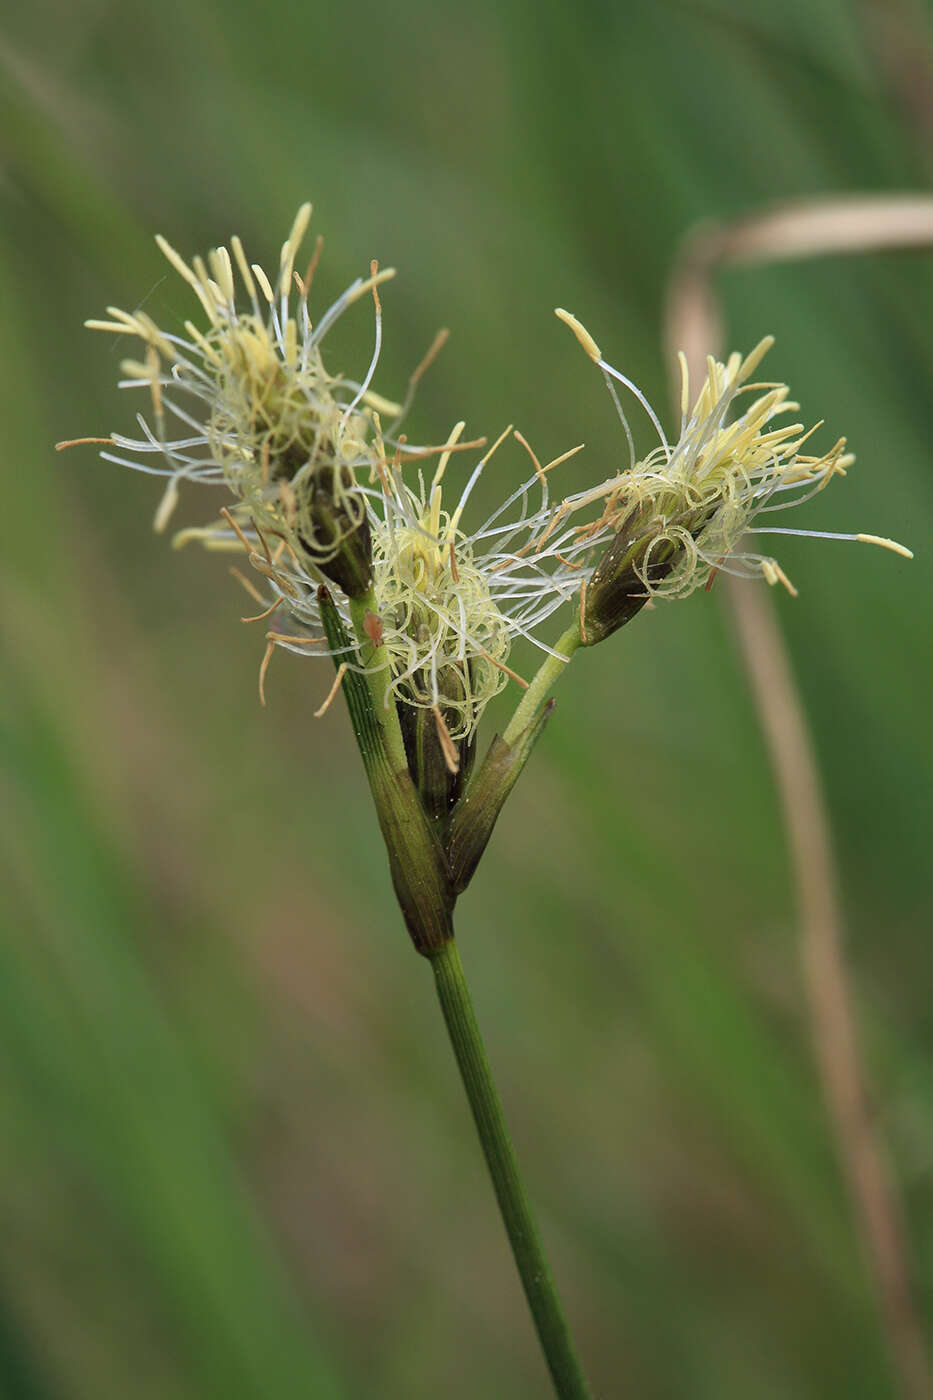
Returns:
<point x="455" y="432"/>
<point x="183" y="270"/>
<point x="684" y="383"/>
<point x="773" y="574"/>
<point x="265" y="285"/>
<point x="223" y="272"/>
<point x="291" y="342"/>
<point x="886" y="544"/>
<point x="243" y="265"/>
<point x="211" y="355"/>
<point x="381" y="405"/>
<point x="112" y="327"/>
<point x="207" y="534"/>
<point x="580" y="331"/>
<point x="755" y="357"/>
<point x="166" y="507"/>
<point x="293" y="243"/>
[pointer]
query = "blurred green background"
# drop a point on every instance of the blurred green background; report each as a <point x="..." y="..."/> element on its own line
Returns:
<point x="235" y="1160"/>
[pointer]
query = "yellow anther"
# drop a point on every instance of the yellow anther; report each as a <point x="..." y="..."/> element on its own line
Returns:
<point x="886" y="544"/>
<point x="580" y="331"/>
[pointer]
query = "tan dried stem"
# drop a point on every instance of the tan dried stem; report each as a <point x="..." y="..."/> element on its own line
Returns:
<point x="784" y="232"/>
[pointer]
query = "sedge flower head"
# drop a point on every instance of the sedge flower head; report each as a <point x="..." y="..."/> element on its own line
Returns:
<point x="690" y="506"/>
<point x="322" y="494"/>
<point x="244" y="400"/>
<point x="447" y="604"/>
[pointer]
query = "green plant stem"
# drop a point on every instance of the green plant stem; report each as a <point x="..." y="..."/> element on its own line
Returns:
<point x="547" y="675"/>
<point x="378" y="680"/>
<point x="527" y="1247"/>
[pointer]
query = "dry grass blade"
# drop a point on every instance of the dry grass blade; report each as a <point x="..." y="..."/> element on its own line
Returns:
<point x="856" y="224"/>
<point x="694" y="324"/>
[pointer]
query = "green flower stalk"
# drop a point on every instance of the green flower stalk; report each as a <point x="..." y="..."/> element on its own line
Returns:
<point x="359" y="561"/>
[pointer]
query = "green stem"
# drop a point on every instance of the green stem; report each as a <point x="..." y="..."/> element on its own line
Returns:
<point x="527" y="1247"/>
<point x="547" y="675"/>
<point x="379" y="680"/>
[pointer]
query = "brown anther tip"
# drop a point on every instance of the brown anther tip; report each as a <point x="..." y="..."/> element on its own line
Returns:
<point x="236" y="530"/>
<point x="82" y="442"/>
<point x="338" y="681"/>
<point x="261" y="617"/>
<point x="270" y="648"/>
<point x="437" y="345"/>
<point x="373" y="271"/>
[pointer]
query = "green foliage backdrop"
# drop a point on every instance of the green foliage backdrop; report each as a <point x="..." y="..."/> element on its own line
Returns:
<point x="234" y="1158"/>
